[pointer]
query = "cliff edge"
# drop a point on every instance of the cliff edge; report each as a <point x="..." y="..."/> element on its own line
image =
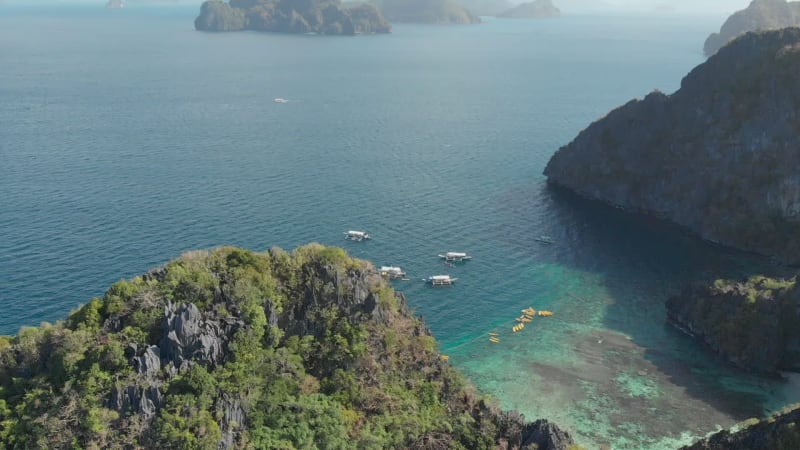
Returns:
<point x="719" y="156"/>
<point x="760" y="15"/>
<point x="751" y="324"/>
<point x="232" y="349"/>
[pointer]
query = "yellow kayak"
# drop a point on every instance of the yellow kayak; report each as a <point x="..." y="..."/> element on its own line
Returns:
<point x="492" y="334"/>
<point x="545" y="313"/>
<point x="494" y="340"/>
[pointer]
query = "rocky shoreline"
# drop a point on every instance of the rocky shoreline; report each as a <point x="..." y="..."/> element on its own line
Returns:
<point x="716" y="157"/>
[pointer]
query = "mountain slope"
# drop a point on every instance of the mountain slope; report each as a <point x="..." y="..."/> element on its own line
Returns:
<point x="235" y="349"/>
<point x="719" y="156"/>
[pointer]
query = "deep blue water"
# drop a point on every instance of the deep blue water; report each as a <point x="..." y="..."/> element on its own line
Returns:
<point x="127" y="138"/>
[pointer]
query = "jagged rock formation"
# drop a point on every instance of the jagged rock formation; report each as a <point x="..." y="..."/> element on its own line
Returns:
<point x="426" y="11"/>
<point x="231" y="349"/>
<point x="536" y="9"/>
<point x="780" y="432"/>
<point x="291" y="16"/>
<point x="760" y="15"/>
<point x="719" y="156"/>
<point x="485" y="7"/>
<point x="751" y="324"/>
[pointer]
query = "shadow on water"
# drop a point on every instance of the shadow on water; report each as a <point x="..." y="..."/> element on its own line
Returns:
<point x="641" y="262"/>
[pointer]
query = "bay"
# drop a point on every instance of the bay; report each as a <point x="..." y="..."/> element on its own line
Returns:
<point x="127" y="138"/>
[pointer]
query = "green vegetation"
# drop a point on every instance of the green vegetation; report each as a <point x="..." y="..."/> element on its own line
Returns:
<point x="291" y="16"/>
<point x="317" y="351"/>
<point x="750" y="323"/>
<point x="777" y="432"/>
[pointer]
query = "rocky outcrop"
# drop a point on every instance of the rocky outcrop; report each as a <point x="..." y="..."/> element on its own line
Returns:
<point x="133" y="399"/>
<point x="760" y="15"/>
<point x="779" y="432"/>
<point x="536" y="9"/>
<point x="485" y="7"/>
<point x="426" y="11"/>
<point x="544" y="435"/>
<point x="232" y="349"/>
<point x="189" y="337"/>
<point x="719" y="156"/>
<point x="291" y="16"/>
<point x="751" y="324"/>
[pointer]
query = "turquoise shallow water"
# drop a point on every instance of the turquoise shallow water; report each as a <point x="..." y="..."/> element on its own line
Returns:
<point x="128" y="138"/>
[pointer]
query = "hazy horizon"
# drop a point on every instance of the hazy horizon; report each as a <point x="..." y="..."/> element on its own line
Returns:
<point x="717" y="7"/>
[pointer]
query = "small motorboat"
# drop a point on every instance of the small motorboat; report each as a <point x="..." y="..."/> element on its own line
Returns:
<point x="392" y="272"/>
<point x="353" y="235"/>
<point x="441" y="280"/>
<point x="455" y="256"/>
<point x="544" y="239"/>
<point x="280" y="100"/>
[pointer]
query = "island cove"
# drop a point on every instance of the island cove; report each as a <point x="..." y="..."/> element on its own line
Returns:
<point x="718" y="157"/>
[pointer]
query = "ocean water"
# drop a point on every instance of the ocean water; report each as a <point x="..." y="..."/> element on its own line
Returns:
<point x="127" y="138"/>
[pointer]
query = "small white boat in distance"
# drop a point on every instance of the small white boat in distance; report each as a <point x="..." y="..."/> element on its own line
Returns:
<point x="455" y="256"/>
<point x="280" y="100"/>
<point x="441" y="280"/>
<point x="544" y="239"/>
<point x="392" y="272"/>
<point x="356" y="235"/>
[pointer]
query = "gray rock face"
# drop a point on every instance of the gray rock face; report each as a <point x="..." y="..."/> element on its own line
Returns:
<point x="777" y="433"/>
<point x="137" y="400"/>
<point x="149" y="364"/>
<point x="720" y="156"/>
<point x="544" y="435"/>
<point x="187" y="337"/>
<point x="760" y="15"/>
<point x="233" y="420"/>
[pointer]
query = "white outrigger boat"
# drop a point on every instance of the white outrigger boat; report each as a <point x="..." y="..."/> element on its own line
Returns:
<point x="441" y="280"/>
<point x="356" y="235"/>
<point x="392" y="272"/>
<point x="455" y="256"/>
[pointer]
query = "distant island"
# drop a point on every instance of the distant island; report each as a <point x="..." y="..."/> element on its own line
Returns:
<point x="425" y="11"/>
<point x="115" y="4"/>
<point x="486" y="7"/>
<point x="536" y="9"/>
<point x="719" y="156"/>
<point x="292" y="16"/>
<point x="759" y="15"/>
<point x="233" y="349"/>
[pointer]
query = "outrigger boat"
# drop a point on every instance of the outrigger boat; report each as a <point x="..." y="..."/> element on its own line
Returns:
<point x="392" y="272"/>
<point x="441" y="280"/>
<point x="455" y="256"/>
<point x="356" y="235"/>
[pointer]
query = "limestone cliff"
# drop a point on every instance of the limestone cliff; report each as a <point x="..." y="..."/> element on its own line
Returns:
<point x="232" y="349"/>
<point x="779" y="432"/>
<point x="291" y="16"/>
<point x="751" y="324"/>
<point x="720" y="156"/>
<point x="536" y="9"/>
<point x="760" y="15"/>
